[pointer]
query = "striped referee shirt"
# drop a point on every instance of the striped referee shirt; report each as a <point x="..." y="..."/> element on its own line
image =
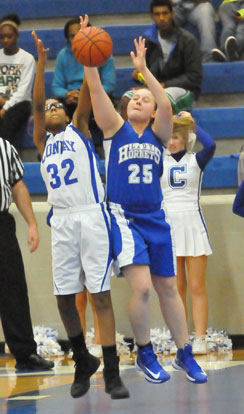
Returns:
<point x="11" y="171"/>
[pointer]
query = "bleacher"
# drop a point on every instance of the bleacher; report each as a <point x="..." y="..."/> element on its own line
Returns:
<point x="219" y="79"/>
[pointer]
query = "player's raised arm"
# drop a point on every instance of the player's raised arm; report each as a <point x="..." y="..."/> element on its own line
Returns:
<point x="82" y="113"/>
<point x="39" y="134"/>
<point x="105" y="114"/>
<point x="163" y="123"/>
<point x="107" y="118"/>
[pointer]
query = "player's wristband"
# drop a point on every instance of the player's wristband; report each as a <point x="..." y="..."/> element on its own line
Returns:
<point x="141" y="78"/>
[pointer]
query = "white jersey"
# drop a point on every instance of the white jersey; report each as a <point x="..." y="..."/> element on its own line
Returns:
<point x="181" y="186"/>
<point x="181" y="183"/>
<point x="69" y="169"/>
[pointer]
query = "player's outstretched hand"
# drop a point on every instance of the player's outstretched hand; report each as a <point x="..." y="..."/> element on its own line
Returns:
<point x="138" y="59"/>
<point x="42" y="52"/>
<point x="83" y="22"/>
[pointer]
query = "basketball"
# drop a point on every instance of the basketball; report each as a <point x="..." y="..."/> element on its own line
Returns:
<point x="92" y="46"/>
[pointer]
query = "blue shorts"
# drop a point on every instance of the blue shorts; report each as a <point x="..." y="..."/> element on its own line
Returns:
<point x="142" y="238"/>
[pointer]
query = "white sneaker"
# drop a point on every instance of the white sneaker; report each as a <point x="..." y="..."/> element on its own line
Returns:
<point x="199" y="346"/>
<point x="95" y="350"/>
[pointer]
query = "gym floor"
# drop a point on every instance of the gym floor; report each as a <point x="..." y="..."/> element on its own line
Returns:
<point x="49" y="392"/>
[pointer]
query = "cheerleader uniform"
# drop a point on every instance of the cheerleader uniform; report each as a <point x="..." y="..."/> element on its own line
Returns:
<point x="181" y="186"/>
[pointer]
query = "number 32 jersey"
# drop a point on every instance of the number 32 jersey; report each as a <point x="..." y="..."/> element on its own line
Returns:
<point x="134" y="166"/>
<point x="69" y="169"/>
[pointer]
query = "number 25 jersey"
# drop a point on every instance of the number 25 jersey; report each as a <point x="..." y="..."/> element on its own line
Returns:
<point x="134" y="166"/>
<point x="69" y="169"/>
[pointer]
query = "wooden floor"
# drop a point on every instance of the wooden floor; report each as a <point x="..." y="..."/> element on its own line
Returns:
<point x="49" y="392"/>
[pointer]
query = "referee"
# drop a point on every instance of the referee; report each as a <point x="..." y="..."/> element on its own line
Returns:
<point x="14" y="301"/>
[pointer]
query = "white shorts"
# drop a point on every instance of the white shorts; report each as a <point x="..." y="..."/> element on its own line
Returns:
<point x="190" y="233"/>
<point x="81" y="249"/>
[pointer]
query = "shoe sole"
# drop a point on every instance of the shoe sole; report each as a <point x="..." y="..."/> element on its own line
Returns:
<point x="194" y="380"/>
<point x="27" y="369"/>
<point x="118" y="397"/>
<point x="231" y="56"/>
<point x="149" y="379"/>
<point x="219" y="56"/>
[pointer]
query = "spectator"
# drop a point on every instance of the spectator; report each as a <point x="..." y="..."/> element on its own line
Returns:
<point x="201" y="14"/>
<point x="231" y="15"/>
<point x="173" y="57"/>
<point x="14" y="301"/>
<point x="17" y="69"/>
<point x="69" y="77"/>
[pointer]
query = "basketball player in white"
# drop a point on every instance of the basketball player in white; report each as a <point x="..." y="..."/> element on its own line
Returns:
<point x="80" y="227"/>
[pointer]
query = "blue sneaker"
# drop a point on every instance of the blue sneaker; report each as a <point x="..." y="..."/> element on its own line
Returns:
<point x="147" y="362"/>
<point x="184" y="360"/>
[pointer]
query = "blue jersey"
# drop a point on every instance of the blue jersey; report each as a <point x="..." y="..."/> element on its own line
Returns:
<point x="134" y="166"/>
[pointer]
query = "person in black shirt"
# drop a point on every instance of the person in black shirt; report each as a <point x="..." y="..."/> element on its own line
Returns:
<point x="14" y="301"/>
<point x="173" y="56"/>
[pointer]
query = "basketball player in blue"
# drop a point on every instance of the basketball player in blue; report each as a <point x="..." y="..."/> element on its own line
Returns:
<point x="81" y="252"/>
<point x="141" y="236"/>
<point x="181" y="186"/>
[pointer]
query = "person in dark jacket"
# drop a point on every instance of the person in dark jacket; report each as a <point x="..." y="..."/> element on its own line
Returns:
<point x="173" y="56"/>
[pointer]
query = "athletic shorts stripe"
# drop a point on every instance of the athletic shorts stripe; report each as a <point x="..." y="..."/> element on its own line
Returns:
<point x="91" y="156"/>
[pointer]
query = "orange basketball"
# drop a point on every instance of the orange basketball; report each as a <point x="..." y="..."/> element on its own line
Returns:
<point x="92" y="46"/>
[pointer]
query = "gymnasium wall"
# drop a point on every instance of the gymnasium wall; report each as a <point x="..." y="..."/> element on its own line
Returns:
<point x="224" y="275"/>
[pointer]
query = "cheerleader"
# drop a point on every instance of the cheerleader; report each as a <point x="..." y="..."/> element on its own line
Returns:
<point x="181" y="185"/>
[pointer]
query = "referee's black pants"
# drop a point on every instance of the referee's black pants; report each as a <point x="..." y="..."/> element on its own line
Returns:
<point x="14" y="301"/>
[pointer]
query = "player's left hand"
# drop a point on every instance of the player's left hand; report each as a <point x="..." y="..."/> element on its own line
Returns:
<point x="138" y="59"/>
<point x="33" y="238"/>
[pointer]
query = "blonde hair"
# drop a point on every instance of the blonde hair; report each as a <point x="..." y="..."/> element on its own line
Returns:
<point x="186" y="126"/>
<point x="183" y="123"/>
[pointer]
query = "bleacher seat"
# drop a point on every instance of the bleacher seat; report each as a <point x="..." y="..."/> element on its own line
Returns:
<point x="225" y="122"/>
<point x="36" y="9"/>
<point x="123" y="36"/>
<point x="218" y="78"/>
<point x="220" y="172"/>
<point x="29" y="9"/>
